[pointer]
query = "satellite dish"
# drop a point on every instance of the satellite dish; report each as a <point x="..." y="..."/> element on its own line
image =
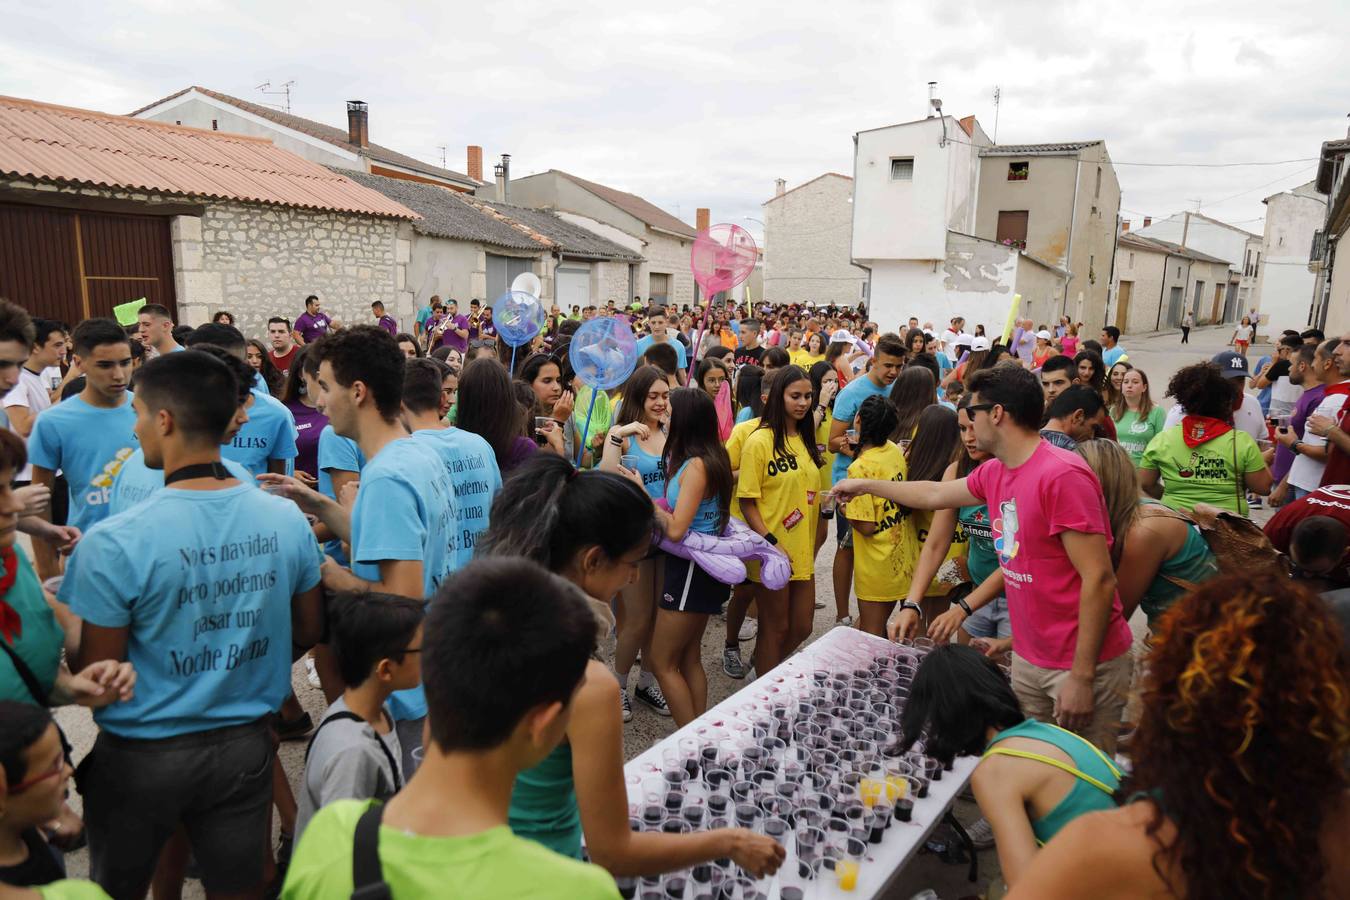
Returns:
<point x="528" y="283"/>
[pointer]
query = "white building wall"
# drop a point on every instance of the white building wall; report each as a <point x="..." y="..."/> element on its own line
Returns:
<point x="807" y="242"/>
<point x="1284" y="285"/>
<point x="901" y="220"/>
<point x="975" y="280"/>
<point x="1211" y="238"/>
<point x="595" y="226"/>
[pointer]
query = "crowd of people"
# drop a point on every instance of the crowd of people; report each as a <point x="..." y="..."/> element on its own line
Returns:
<point x="445" y="531"/>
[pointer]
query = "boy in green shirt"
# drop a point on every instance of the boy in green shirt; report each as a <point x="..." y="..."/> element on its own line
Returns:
<point x="504" y="651"/>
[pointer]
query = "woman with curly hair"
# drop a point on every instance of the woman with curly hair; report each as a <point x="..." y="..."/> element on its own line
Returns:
<point x="1240" y="786"/>
<point x="1204" y="459"/>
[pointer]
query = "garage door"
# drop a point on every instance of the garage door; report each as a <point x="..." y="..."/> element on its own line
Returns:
<point x="68" y="265"/>
<point x="574" y="286"/>
<point x="501" y="271"/>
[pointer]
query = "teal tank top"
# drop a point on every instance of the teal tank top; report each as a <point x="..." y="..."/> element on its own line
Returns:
<point x="1194" y="563"/>
<point x="652" y="468"/>
<point x="708" y="512"/>
<point x="1096" y="778"/>
<point x="544" y="804"/>
<point x="981" y="559"/>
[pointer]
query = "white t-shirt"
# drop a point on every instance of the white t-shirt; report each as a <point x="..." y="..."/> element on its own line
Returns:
<point x="1248" y="418"/>
<point x="1284" y="396"/>
<point x="1306" y="473"/>
<point x="1243" y="333"/>
<point x="32" y="393"/>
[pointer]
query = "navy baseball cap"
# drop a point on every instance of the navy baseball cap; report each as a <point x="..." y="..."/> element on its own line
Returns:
<point x="1232" y="365"/>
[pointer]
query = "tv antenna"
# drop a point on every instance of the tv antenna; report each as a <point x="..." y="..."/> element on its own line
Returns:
<point x="285" y="92"/>
<point x="1196" y="201"/>
<point x="998" y="96"/>
<point x="442" y="148"/>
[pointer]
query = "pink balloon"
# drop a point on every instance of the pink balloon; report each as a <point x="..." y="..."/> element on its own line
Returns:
<point x="723" y="257"/>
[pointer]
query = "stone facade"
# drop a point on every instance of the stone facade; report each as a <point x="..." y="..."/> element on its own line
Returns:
<point x="611" y="283"/>
<point x="260" y="261"/>
<point x="808" y="237"/>
<point x="666" y="254"/>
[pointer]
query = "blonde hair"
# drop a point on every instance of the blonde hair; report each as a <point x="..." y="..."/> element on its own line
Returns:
<point x="1120" y="486"/>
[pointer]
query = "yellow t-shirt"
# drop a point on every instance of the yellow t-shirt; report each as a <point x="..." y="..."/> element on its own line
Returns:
<point x="785" y="488"/>
<point x="823" y="445"/>
<point x="804" y="360"/>
<point x="923" y="521"/>
<point x="883" y="562"/>
<point x="736" y="442"/>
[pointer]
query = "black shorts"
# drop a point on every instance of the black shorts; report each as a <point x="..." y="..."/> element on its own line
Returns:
<point x="690" y="589"/>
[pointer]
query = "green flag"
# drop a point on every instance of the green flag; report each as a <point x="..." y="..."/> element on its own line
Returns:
<point x="125" y="313"/>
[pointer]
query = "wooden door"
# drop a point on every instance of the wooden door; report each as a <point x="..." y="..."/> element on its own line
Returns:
<point x="69" y="265"/>
<point x="1123" y="304"/>
<point x="1216" y="315"/>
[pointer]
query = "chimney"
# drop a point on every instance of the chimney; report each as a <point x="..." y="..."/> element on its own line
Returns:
<point x="702" y="218"/>
<point x="475" y="162"/>
<point x="779" y="187"/>
<point x="358" y="124"/>
<point x="503" y="172"/>
<point x="1148" y="220"/>
<point x="1124" y="225"/>
<point x="932" y="97"/>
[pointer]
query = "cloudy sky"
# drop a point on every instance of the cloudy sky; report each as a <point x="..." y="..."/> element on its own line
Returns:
<point x="705" y="104"/>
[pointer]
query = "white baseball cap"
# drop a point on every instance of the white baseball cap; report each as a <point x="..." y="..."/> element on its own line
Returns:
<point x="1043" y="335"/>
<point x="978" y="344"/>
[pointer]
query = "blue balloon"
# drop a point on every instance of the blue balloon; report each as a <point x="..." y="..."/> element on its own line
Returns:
<point x="518" y="317"/>
<point x="603" y="352"/>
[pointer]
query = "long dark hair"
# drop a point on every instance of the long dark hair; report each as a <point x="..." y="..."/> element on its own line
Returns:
<point x="824" y="341"/>
<point x="295" y="384"/>
<point x="749" y="389"/>
<point x="965" y="463"/>
<point x="957" y="695"/>
<point x="817" y="375"/>
<point x="548" y="511"/>
<point x="936" y="440"/>
<point x="271" y="375"/>
<point x="776" y="416"/>
<point x="635" y="394"/>
<point x="1098" y="369"/>
<point x="876" y="421"/>
<point x="487" y="406"/>
<point x="693" y="435"/>
<point x="914" y="391"/>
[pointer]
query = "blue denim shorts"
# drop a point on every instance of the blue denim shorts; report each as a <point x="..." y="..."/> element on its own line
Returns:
<point x="990" y="621"/>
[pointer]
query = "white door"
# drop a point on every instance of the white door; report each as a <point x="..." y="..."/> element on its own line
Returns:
<point x="574" y="286"/>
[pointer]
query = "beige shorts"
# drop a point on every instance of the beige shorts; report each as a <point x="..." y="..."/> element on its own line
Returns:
<point x="1037" y="689"/>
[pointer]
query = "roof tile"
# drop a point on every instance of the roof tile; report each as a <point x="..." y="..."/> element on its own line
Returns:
<point x="634" y="205"/>
<point x="75" y="146"/>
<point x="1055" y="149"/>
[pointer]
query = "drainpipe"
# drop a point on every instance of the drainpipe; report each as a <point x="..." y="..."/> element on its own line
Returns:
<point x="1073" y="218"/>
<point x="1162" y="291"/>
<point x="1111" y="278"/>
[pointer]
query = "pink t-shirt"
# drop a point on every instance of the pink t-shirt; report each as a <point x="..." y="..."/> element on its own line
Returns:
<point x="1052" y="492"/>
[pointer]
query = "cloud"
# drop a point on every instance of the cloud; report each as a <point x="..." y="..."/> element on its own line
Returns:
<point x="705" y="104"/>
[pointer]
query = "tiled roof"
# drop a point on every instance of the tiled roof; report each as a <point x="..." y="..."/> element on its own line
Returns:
<point x="1160" y="246"/>
<point x="76" y="146"/>
<point x="804" y="184"/>
<point x="1058" y="149"/>
<point x="566" y="237"/>
<point x="446" y="214"/>
<point x="336" y="136"/>
<point x="634" y="205"/>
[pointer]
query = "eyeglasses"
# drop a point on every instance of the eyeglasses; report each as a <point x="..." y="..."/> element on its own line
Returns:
<point x="58" y="767"/>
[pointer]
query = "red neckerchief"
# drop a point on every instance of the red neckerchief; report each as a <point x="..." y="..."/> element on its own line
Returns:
<point x="1197" y="430"/>
<point x="11" y="626"/>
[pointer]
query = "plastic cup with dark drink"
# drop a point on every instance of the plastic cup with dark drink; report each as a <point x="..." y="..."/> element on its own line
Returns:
<point x="904" y="809"/>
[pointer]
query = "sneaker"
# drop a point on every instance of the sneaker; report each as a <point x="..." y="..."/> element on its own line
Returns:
<point x="311" y="673"/>
<point x="820" y="604"/>
<point x="652" y="696"/>
<point x="981" y="833"/>
<point x="627" y="705"/>
<point x="749" y="628"/>
<point x="731" y="662"/>
<point x="845" y="622"/>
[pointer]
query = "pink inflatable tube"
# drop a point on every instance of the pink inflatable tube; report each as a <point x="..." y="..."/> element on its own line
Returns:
<point x="723" y="556"/>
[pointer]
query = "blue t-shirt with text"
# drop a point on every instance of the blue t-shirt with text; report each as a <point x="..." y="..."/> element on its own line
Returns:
<point x="476" y="479"/>
<point x="203" y="582"/>
<point x="137" y="481"/>
<point x="268" y="434"/>
<point x="89" y="444"/>
<point x="405" y="509"/>
<point x="681" y="360"/>
<point x="846" y="406"/>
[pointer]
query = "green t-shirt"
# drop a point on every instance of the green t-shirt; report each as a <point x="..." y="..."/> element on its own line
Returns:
<point x="1205" y="474"/>
<point x="69" y="889"/>
<point x="601" y="418"/>
<point x="486" y="866"/>
<point x="39" y="646"/>
<point x="1134" y="431"/>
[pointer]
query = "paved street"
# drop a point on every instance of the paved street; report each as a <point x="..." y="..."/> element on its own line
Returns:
<point x="1158" y="354"/>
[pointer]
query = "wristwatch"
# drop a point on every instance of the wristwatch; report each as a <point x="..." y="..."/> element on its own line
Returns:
<point x="914" y="606"/>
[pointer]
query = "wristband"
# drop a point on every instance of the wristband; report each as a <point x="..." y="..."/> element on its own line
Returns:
<point x="965" y="607"/>
<point x="771" y="539"/>
<point x="914" y="606"/>
<point x="616" y="440"/>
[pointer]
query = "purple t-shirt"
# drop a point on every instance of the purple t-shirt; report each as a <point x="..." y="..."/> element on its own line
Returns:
<point x="1284" y="457"/>
<point x="387" y="322"/>
<point x="522" y="448"/>
<point x="450" y="338"/>
<point x="309" y="423"/>
<point x="1030" y="507"/>
<point x="312" y="328"/>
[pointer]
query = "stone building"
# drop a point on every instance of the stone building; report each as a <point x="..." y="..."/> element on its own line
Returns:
<point x="659" y="238"/>
<point x="808" y="233"/>
<point x="1158" y="281"/>
<point x="97" y="210"/>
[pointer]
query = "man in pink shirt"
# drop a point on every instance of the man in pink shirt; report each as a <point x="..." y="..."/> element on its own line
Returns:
<point x="1071" y="661"/>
